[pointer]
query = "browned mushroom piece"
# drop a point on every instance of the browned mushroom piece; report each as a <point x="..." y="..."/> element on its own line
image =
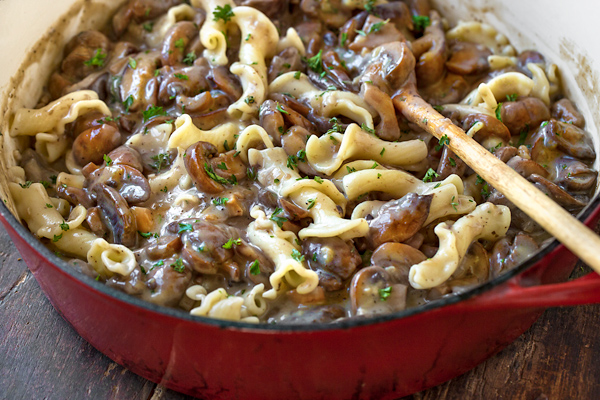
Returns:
<point x="397" y="12"/>
<point x="258" y="266"/>
<point x="272" y="121"/>
<point x="508" y="253"/>
<point x="316" y="315"/>
<point x="396" y="259"/>
<point x="373" y="33"/>
<point x="333" y="259"/>
<point x="203" y="102"/>
<point x="450" y="164"/>
<point x="227" y="82"/>
<point x="391" y="68"/>
<point x="131" y="184"/>
<point x="176" y="41"/>
<point x="188" y="81"/>
<point x="451" y="89"/>
<point x="57" y="85"/>
<point x="398" y="220"/>
<point x="94" y="221"/>
<point x="337" y="73"/>
<point x="564" y="110"/>
<point x="556" y="135"/>
<point x="430" y="51"/>
<point x="140" y="11"/>
<point x="524" y="114"/>
<point x="331" y="13"/>
<point x="419" y="7"/>
<point x="134" y="284"/>
<point x="491" y="127"/>
<point x="294" y="144"/>
<point x="574" y="175"/>
<point x="287" y="60"/>
<point x="92" y="144"/>
<point x="228" y="165"/>
<point x="210" y="119"/>
<point x="197" y="163"/>
<point x="506" y="153"/>
<point x="166" y="246"/>
<point x="294" y="118"/>
<point x="373" y="293"/>
<point x="348" y="31"/>
<point x="205" y="249"/>
<point x="84" y="268"/>
<point x="139" y="85"/>
<point x="473" y="270"/>
<point x="125" y="155"/>
<point x="87" y="46"/>
<point x="468" y="58"/>
<point x="530" y="57"/>
<point x="526" y="168"/>
<point x="89" y="120"/>
<point x="558" y="194"/>
<point x="74" y="195"/>
<point x="117" y="216"/>
<point x="388" y="128"/>
<point x="167" y="283"/>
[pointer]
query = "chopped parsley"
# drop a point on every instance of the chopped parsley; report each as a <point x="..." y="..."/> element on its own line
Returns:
<point x="512" y="97"/>
<point x="147" y="235"/>
<point x="438" y="108"/>
<point x="132" y="63"/>
<point x="128" y="103"/>
<point x="453" y="203"/>
<point x="160" y="161"/>
<point x="249" y="100"/>
<point x="222" y="166"/>
<point x="296" y="255"/>
<point x="499" y="112"/>
<point x="180" y="44"/>
<point x="377" y="26"/>
<point x="523" y="136"/>
<point x="48" y="205"/>
<point x="350" y="169"/>
<point x="182" y="77"/>
<point x="452" y="162"/>
<point x="421" y="22"/>
<point x="444" y="140"/>
<point x="382" y="151"/>
<point x="278" y="220"/>
<point x="316" y="62"/>
<point x="311" y="203"/>
<point x="292" y="161"/>
<point x="344" y="39"/>
<point x="211" y="174"/>
<point x="297" y="74"/>
<point x="385" y="293"/>
<point x="318" y="179"/>
<point x="479" y="180"/>
<point x="26" y="185"/>
<point x="365" y="128"/>
<point x="107" y="160"/>
<point x="485" y="191"/>
<point x="148" y="26"/>
<point x="280" y="109"/>
<point x="97" y="60"/>
<point x="369" y="5"/>
<point x="231" y="242"/>
<point x="178" y="265"/>
<point x="544" y="124"/>
<point x="153" y="111"/>
<point x="251" y="173"/>
<point x="189" y="58"/>
<point x="220" y="201"/>
<point x="185" y="228"/>
<point x="225" y="13"/>
<point x="64" y="226"/>
<point x="56" y="238"/>
<point x="255" y="268"/>
<point x="430" y="175"/>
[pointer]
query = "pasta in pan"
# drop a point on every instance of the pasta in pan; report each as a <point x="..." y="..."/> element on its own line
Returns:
<point x="243" y="160"/>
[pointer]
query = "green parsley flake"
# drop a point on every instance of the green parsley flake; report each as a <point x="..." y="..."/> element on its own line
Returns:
<point x="421" y="22"/>
<point x="278" y="220"/>
<point x="385" y="293"/>
<point x="430" y="175"/>
<point x="231" y="242"/>
<point x="190" y="58"/>
<point x="64" y="226"/>
<point x="296" y="255"/>
<point x="185" y="228"/>
<point x="316" y="62"/>
<point x="297" y="74"/>
<point x="512" y="97"/>
<point x="311" y="203"/>
<point x="452" y="162"/>
<point x="97" y="60"/>
<point x="56" y="238"/>
<point x="444" y="140"/>
<point x="220" y="201"/>
<point x="160" y="161"/>
<point x="453" y="203"/>
<point x="182" y="77"/>
<point x="255" y="268"/>
<point x="249" y="100"/>
<point x="107" y="160"/>
<point x="211" y="174"/>
<point x="153" y="111"/>
<point x="225" y="13"/>
<point x="499" y="112"/>
<point x="280" y="109"/>
<point x="178" y="266"/>
<point x="132" y="63"/>
<point x="128" y="103"/>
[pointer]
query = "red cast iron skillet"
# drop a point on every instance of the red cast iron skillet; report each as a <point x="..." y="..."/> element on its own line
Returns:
<point x="382" y="357"/>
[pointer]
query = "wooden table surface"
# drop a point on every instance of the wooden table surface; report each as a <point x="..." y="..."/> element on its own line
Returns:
<point x="41" y="357"/>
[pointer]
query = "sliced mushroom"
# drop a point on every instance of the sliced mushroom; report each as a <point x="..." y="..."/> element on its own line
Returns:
<point x="139" y="85"/>
<point x="526" y="168"/>
<point x="227" y="82"/>
<point x="331" y="257"/>
<point x="125" y="155"/>
<point x="86" y="121"/>
<point x="203" y="102"/>
<point x="491" y="127"/>
<point x="331" y="13"/>
<point x="272" y="121"/>
<point x="507" y="253"/>
<point x="556" y="135"/>
<point x="372" y="293"/>
<point x="557" y="194"/>
<point x="396" y="11"/>
<point x="316" y="315"/>
<point x="94" y="221"/>
<point x="287" y="60"/>
<point x="430" y="51"/>
<point x="564" y="110"/>
<point x="390" y="67"/>
<point x="188" y="81"/>
<point x="316" y="297"/>
<point x="399" y="220"/>
<point x="396" y="259"/>
<point x="131" y="184"/>
<point x="92" y="144"/>
<point x="176" y="41"/>
<point x="80" y="50"/>
<point x="203" y="249"/>
<point x="388" y="127"/>
<point x="374" y="32"/>
<point x="140" y="11"/>
<point x="167" y="283"/>
<point x="294" y="144"/>
<point x="452" y="88"/>
<point x="197" y="164"/>
<point x="74" y="195"/>
<point x="524" y="114"/>
<point x="166" y="246"/>
<point x="117" y="216"/>
<point x="575" y="175"/>
<point x="468" y="58"/>
<point x="506" y="153"/>
<point x="450" y="164"/>
<point x="228" y="165"/>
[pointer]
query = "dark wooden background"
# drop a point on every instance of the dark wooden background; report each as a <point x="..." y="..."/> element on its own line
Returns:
<point x="41" y="357"/>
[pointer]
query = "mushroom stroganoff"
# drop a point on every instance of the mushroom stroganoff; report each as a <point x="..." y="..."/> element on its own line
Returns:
<point x="244" y="160"/>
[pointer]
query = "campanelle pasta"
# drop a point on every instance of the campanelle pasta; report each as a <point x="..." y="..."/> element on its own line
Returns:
<point x="243" y="160"/>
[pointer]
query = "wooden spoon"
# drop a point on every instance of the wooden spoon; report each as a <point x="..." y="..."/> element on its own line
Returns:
<point x="577" y="237"/>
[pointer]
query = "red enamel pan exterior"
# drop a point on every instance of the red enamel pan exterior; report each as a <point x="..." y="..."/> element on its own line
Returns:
<point x="378" y="358"/>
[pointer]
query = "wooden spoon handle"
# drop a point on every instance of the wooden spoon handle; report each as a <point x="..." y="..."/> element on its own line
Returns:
<point x="578" y="238"/>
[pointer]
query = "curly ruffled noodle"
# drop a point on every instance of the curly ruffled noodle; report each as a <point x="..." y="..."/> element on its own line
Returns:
<point x="291" y="39"/>
<point x="488" y="94"/>
<point x="35" y="207"/>
<point x="212" y="33"/>
<point x="328" y="204"/>
<point x="259" y="42"/>
<point x="176" y="176"/>
<point x="186" y="134"/>
<point x="155" y="139"/>
<point x="329" y="103"/>
<point x="280" y="246"/>
<point x="324" y="155"/>
<point x="253" y="136"/>
<point x="47" y="124"/>
<point x="218" y="304"/>
<point x="487" y="221"/>
<point x="448" y="198"/>
<point x="108" y="259"/>
<point x="480" y="33"/>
